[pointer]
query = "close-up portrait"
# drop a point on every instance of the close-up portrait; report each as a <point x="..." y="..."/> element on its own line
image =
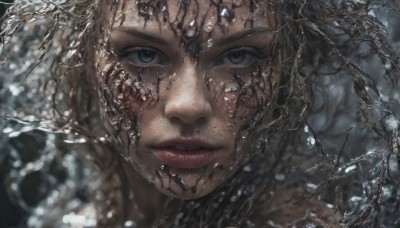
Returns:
<point x="199" y="113"/>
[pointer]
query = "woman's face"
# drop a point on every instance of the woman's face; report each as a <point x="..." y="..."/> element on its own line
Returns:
<point x="184" y="87"/>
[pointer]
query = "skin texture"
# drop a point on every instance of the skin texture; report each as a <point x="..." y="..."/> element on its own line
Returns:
<point x="202" y="80"/>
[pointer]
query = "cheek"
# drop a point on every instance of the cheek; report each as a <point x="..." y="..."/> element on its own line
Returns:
<point x="121" y="100"/>
<point x="251" y="96"/>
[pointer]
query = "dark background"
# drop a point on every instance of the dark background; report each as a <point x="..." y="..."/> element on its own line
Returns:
<point x="3" y="6"/>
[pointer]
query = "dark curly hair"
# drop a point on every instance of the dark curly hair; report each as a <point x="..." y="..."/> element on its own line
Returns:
<point x="336" y="117"/>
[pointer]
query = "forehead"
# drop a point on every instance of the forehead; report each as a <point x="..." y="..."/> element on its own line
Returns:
<point x="195" y="17"/>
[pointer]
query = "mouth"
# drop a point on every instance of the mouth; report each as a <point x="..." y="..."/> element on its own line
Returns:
<point x="185" y="153"/>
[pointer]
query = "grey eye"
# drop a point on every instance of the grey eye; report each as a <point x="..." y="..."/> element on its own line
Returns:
<point x="236" y="57"/>
<point x="146" y="56"/>
<point x="143" y="56"/>
<point x="241" y="57"/>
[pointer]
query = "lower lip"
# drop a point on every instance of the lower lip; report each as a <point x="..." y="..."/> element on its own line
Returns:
<point x="185" y="159"/>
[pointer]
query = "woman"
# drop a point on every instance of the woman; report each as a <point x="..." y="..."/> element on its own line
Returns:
<point x="194" y="112"/>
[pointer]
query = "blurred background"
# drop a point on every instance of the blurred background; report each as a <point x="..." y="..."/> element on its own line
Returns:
<point x="14" y="216"/>
<point x="10" y="215"/>
<point x="3" y="6"/>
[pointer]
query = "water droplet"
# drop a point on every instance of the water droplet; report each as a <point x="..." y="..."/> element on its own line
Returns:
<point x="129" y="224"/>
<point x="226" y="98"/>
<point x="179" y="216"/>
<point x="306" y="128"/>
<point x="248" y="168"/>
<point x="233" y="199"/>
<point x="310" y="141"/>
<point x="360" y="1"/>
<point x="228" y="90"/>
<point x="208" y="27"/>
<point x="15" y="90"/>
<point x="209" y="43"/>
<point x="310" y="187"/>
<point x="279" y="177"/>
<point x="224" y="12"/>
<point x="191" y="30"/>
<point x="137" y="85"/>
<point x="17" y="164"/>
<point x="8" y="130"/>
<point x="218" y="166"/>
<point x="388" y="66"/>
<point x="14" y="134"/>
<point x="350" y="168"/>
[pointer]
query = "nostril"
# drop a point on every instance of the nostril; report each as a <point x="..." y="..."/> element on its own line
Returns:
<point x="188" y="113"/>
<point x="188" y="100"/>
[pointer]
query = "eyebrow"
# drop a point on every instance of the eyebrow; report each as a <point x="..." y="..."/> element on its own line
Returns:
<point x="240" y="35"/>
<point x="222" y="41"/>
<point x="145" y="36"/>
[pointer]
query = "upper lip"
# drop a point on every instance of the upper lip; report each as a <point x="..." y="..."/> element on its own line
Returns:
<point x="187" y="143"/>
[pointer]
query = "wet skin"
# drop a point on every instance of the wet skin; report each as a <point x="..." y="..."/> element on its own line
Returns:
<point x="183" y="95"/>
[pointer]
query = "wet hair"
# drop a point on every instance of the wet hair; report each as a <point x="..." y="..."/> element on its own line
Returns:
<point x="339" y="89"/>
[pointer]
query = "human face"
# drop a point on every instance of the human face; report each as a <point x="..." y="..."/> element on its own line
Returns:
<point x="183" y="85"/>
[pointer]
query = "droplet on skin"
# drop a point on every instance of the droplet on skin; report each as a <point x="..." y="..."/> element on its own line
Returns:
<point x="228" y="90"/>
<point x="224" y="12"/>
<point x="209" y="43"/>
<point x="208" y="27"/>
<point x="218" y="166"/>
<point x="190" y="32"/>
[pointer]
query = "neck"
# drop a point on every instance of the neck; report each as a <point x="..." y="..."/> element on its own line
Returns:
<point x="145" y="203"/>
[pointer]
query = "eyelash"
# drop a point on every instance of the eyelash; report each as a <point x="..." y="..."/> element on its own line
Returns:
<point x="245" y="52"/>
<point x="136" y="55"/>
<point x="248" y="55"/>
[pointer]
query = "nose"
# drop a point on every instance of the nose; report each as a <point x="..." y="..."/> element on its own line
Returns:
<point x="188" y="99"/>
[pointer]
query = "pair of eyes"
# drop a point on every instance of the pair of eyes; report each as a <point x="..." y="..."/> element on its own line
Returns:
<point x="237" y="57"/>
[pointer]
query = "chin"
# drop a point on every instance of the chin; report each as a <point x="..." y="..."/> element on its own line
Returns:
<point x="186" y="195"/>
<point x="184" y="186"/>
